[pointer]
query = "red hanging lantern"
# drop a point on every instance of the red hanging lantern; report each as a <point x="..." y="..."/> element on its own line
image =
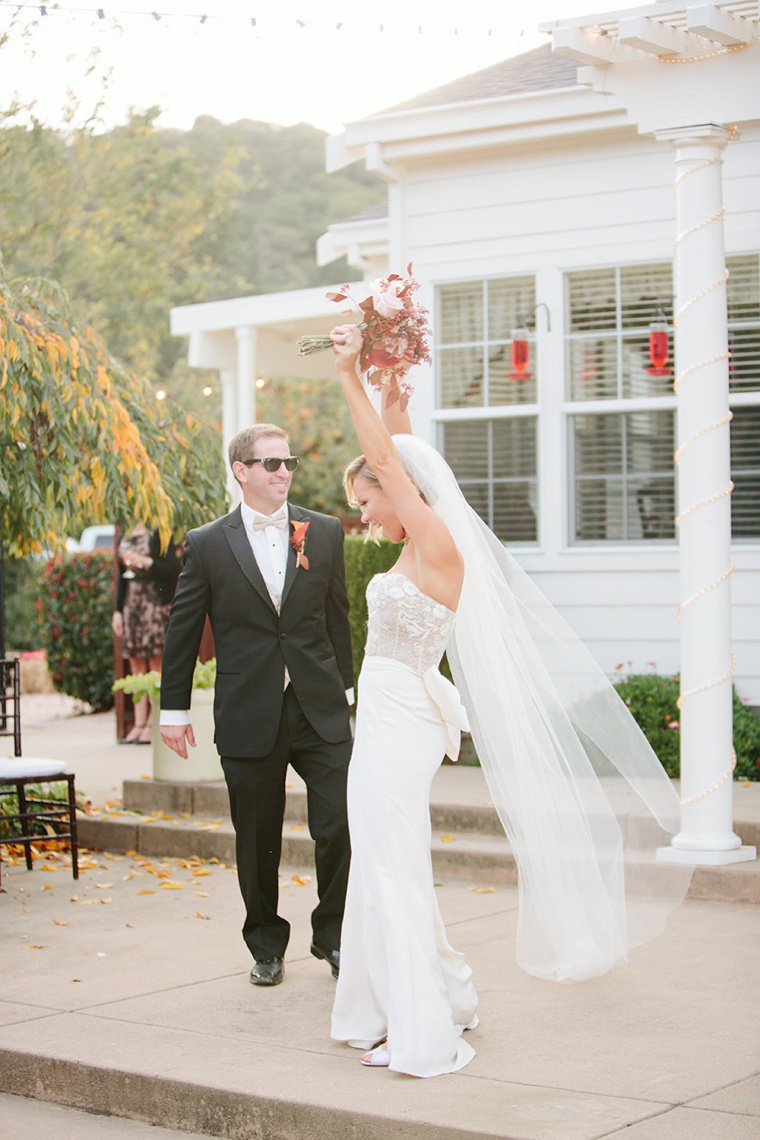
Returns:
<point x="659" y="349"/>
<point x="520" y="354"/>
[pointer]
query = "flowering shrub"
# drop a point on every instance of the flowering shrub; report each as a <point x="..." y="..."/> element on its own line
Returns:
<point x="653" y="698"/>
<point x="75" y="608"/>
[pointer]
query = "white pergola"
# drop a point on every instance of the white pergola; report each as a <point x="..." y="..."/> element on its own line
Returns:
<point x="689" y="74"/>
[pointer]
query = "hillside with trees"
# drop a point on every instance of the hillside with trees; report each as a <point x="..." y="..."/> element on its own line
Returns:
<point x="133" y="221"/>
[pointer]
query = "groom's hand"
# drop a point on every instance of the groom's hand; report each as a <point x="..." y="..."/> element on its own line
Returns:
<point x="177" y="737"/>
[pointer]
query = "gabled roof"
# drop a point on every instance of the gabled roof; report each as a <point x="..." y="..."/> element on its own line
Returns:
<point x="536" y="70"/>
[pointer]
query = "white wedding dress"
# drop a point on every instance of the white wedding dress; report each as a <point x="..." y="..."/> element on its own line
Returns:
<point x="399" y="977"/>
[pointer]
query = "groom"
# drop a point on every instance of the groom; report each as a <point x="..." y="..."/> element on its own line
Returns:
<point x="271" y="578"/>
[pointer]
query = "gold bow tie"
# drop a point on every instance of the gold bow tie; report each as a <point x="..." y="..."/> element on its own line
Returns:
<point x="279" y="519"/>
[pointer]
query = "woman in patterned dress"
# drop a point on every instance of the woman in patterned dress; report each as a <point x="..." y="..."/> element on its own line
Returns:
<point x="147" y="580"/>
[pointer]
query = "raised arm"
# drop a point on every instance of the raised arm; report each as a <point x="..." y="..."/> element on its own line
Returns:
<point x="439" y="564"/>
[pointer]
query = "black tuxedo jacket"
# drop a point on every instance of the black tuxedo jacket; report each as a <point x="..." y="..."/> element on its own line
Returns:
<point x="254" y="643"/>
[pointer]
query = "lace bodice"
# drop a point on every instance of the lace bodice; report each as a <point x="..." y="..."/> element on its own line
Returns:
<point x="405" y="624"/>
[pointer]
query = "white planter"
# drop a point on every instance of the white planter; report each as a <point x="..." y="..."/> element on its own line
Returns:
<point x="203" y="761"/>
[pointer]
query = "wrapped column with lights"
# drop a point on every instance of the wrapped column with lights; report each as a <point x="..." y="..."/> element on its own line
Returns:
<point x="704" y="504"/>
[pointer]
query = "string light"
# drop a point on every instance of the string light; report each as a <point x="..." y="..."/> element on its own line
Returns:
<point x="698" y="434"/>
<point x="704" y="503"/>
<point x="325" y="24"/>
<point x="718" y="784"/>
<point x="710" y="55"/>
<point x="698" y="297"/>
<point x="710" y="684"/>
<point x="699" y="226"/>
<point x="695" y="367"/>
<point x="706" y="589"/>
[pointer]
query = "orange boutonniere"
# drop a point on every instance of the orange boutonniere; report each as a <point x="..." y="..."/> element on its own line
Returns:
<point x="297" y="540"/>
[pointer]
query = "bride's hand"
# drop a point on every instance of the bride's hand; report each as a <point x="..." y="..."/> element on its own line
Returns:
<point x="347" y="342"/>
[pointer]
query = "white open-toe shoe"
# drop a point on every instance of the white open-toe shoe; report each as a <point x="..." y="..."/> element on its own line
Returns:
<point x="377" y="1058"/>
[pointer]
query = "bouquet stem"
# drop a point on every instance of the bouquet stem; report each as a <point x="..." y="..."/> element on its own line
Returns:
<point x="309" y="345"/>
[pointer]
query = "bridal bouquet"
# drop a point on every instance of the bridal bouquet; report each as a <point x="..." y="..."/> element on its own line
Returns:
<point x="394" y="331"/>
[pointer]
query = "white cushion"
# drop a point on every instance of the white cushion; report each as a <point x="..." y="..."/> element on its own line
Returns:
<point x="15" y="768"/>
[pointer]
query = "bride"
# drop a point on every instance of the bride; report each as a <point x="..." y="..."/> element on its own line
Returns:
<point x="581" y="795"/>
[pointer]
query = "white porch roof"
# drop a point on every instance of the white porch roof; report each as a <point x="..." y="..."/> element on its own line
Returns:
<point x="276" y="321"/>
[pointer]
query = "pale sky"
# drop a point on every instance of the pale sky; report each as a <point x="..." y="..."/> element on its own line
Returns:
<point x="275" y="71"/>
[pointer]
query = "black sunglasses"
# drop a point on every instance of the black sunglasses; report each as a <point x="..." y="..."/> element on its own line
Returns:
<point x="274" y="462"/>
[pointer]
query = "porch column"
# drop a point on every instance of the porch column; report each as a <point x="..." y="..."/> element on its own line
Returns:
<point x="245" y="335"/>
<point x="229" y="427"/>
<point x="704" y="504"/>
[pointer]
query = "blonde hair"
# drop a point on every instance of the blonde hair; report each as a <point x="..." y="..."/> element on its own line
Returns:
<point x="360" y="468"/>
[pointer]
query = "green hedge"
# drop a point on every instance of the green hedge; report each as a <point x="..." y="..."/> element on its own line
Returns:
<point x="22" y="589"/>
<point x="653" y="698"/>
<point x="363" y="561"/>
<point x="75" y="614"/>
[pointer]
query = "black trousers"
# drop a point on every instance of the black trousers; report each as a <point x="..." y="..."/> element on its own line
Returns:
<point x="256" y="788"/>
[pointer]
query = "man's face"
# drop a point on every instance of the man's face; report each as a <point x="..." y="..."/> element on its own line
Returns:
<point x="265" y="491"/>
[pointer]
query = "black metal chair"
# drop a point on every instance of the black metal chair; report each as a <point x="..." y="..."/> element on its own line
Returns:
<point x="40" y="819"/>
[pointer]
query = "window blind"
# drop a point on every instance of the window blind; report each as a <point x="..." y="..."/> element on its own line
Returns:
<point x="494" y="462"/>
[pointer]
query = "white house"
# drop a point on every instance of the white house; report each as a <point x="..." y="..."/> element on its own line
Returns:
<point x="602" y="193"/>
<point x="523" y="196"/>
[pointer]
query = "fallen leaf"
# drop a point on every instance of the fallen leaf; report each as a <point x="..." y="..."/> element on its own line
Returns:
<point x="29" y="946"/>
<point x="171" y="885"/>
<point x="131" y="875"/>
<point x="61" y="922"/>
<point x="446" y="839"/>
<point x="103" y="886"/>
<point x="204" y="916"/>
<point x="302" y="880"/>
<point x="202" y="894"/>
<point x="484" y="890"/>
<point x="48" y="867"/>
<point x="74" y="898"/>
<point x="105" y="900"/>
<point x="297" y="827"/>
<point x="146" y="892"/>
<point x="201" y="871"/>
<point x="47" y="887"/>
<point x="26" y="910"/>
<point x="145" y="776"/>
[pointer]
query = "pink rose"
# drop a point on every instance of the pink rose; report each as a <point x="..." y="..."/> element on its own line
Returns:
<point x="385" y="297"/>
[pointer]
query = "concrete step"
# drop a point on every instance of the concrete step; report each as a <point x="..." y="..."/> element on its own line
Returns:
<point x="148" y="796"/>
<point x="458" y="855"/>
<point x="471" y="856"/>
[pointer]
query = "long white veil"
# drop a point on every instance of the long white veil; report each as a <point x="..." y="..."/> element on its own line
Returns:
<point x="581" y="795"/>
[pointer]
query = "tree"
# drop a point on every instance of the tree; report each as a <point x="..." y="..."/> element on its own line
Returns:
<point x="84" y="440"/>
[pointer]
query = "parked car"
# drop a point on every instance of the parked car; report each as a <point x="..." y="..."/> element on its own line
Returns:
<point x="97" y="537"/>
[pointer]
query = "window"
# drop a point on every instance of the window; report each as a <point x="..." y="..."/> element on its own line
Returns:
<point x="474" y="324"/>
<point x="492" y="447"/>
<point x="621" y="446"/>
<point x="495" y="465"/>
